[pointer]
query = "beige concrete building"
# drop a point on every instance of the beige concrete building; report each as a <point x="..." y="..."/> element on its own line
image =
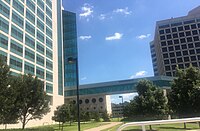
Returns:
<point x="31" y="40"/>
<point x="176" y="43"/>
<point x="94" y="103"/>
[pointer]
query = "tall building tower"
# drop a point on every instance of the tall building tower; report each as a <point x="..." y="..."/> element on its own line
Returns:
<point x="176" y="43"/>
<point x="31" y="40"/>
<point x="70" y="50"/>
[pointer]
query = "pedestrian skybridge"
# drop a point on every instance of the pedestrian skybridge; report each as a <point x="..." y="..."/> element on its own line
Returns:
<point x="117" y="87"/>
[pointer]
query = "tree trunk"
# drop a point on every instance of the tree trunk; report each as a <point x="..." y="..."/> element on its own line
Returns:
<point x="24" y="122"/>
<point x="62" y="126"/>
<point x="150" y="127"/>
<point x="184" y="125"/>
<point x="199" y="124"/>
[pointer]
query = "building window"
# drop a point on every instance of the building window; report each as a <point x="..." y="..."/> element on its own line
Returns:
<point x="193" y="26"/>
<point x="179" y="60"/>
<point x="172" y="54"/>
<point x="178" y="53"/>
<point x="197" y="44"/>
<point x="193" y="58"/>
<point x="175" y="35"/>
<point x="173" y="61"/>
<point x="187" y="27"/>
<point x="171" y="48"/>
<point x="168" y="74"/>
<point x="186" y="59"/>
<point x="87" y="101"/>
<point x="187" y="65"/>
<point x="169" y="42"/>
<point x="80" y="101"/>
<point x="163" y="43"/>
<point x="164" y="49"/>
<point x="3" y="41"/>
<point x="174" y="29"/>
<point x="195" y="64"/>
<point x="176" y="41"/>
<point x="167" y="31"/>
<point x="162" y="37"/>
<point x="161" y="32"/>
<point x="190" y="45"/>
<point x="184" y="46"/>
<point x="196" y="38"/>
<point x="29" y="68"/>
<point x="181" y="66"/>
<point x="180" y="28"/>
<point x="181" y="34"/>
<point x="165" y="55"/>
<point x="188" y="33"/>
<point x="30" y="55"/>
<point x="183" y="40"/>
<point x="185" y="52"/>
<point x="192" y="52"/>
<point x="194" y="32"/>
<point x="93" y="100"/>
<point x="166" y="61"/>
<point x="100" y="99"/>
<point x="177" y="47"/>
<point x="198" y="50"/>
<point x="189" y="39"/>
<point x="169" y="36"/>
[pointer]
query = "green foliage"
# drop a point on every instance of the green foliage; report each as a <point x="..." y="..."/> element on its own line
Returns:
<point x="95" y="116"/>
<point x="85" y="116"/>
<point x="150" y="102"/>
<point x="105" y="116"/>
<point x="184" y="97"/>
<point x="8" y="110"/>
<point x="34" y="103"/>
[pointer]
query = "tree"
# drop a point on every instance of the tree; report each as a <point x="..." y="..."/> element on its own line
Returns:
<point x="95" y="116"/>
<point x="150" y="102"/>
<point x="184" y="97"/>
<point x="105" y="116"/>
<point x="34" y="103"/>
<point x="62" y="114"/>
<point x="8" y="110"/>
<point x="85" y="116"/>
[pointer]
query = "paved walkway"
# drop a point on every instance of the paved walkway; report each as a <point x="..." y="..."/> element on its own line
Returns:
<point x="111" y="124"/>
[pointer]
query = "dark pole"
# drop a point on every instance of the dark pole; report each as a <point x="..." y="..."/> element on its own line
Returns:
<point x="77" y="94"/>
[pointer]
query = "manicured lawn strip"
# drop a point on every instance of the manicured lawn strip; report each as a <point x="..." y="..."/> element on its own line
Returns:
<point x="171" y="127"/>
<point x="66" y="127"/>
<point x="84" y="126"/>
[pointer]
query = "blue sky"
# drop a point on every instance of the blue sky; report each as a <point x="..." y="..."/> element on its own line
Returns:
<point x="114" y="35"/>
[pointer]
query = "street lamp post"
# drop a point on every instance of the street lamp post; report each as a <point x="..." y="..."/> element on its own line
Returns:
<point x="75" y="60"/>
<point x="122" y="103"/>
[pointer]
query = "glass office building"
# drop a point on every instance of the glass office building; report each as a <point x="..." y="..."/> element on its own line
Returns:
<point x="70" y="49"/>
<point x="30" y="40"/>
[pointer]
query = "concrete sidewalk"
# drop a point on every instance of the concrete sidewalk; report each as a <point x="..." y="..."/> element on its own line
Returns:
<point x="103" y="127"/>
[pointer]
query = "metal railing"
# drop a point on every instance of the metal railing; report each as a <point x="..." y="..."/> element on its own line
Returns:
<point x="156" y="122"/>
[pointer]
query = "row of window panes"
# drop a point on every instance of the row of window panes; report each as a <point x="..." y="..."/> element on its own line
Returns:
<point x="181" y="59"/>
<point x="181" y="28"/>
<point x="182" y="40"/>
<point x="184" y="53"/>
<point x="16" y="48"/>
<point x="181" y="34"/>
<point x="17" y="19"/>
<point x="178" y="47"/>
<point x="163" y="37"/>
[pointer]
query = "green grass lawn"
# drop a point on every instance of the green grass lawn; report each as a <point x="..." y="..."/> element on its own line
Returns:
<point x="84" y="126"/>
<point x="171" y="127"/>
<point x="67" y="127"/>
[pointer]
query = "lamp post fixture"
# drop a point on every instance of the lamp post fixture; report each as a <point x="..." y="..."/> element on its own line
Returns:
<point x="122" y="103"/>
<point x="72" y="60"/>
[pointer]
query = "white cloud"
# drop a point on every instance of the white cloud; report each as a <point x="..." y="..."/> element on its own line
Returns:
<point x="102" y="16"/>
<point x="116" y="36"/>
<point x="138" y="74"/>
<point x="141" y="37"/>
<point x="87" y="37"/>
<point x="124" y="11"/>
<point x="126" y="97"/>
<point x="83" y="78"/>
<point x="87" y="10"/>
